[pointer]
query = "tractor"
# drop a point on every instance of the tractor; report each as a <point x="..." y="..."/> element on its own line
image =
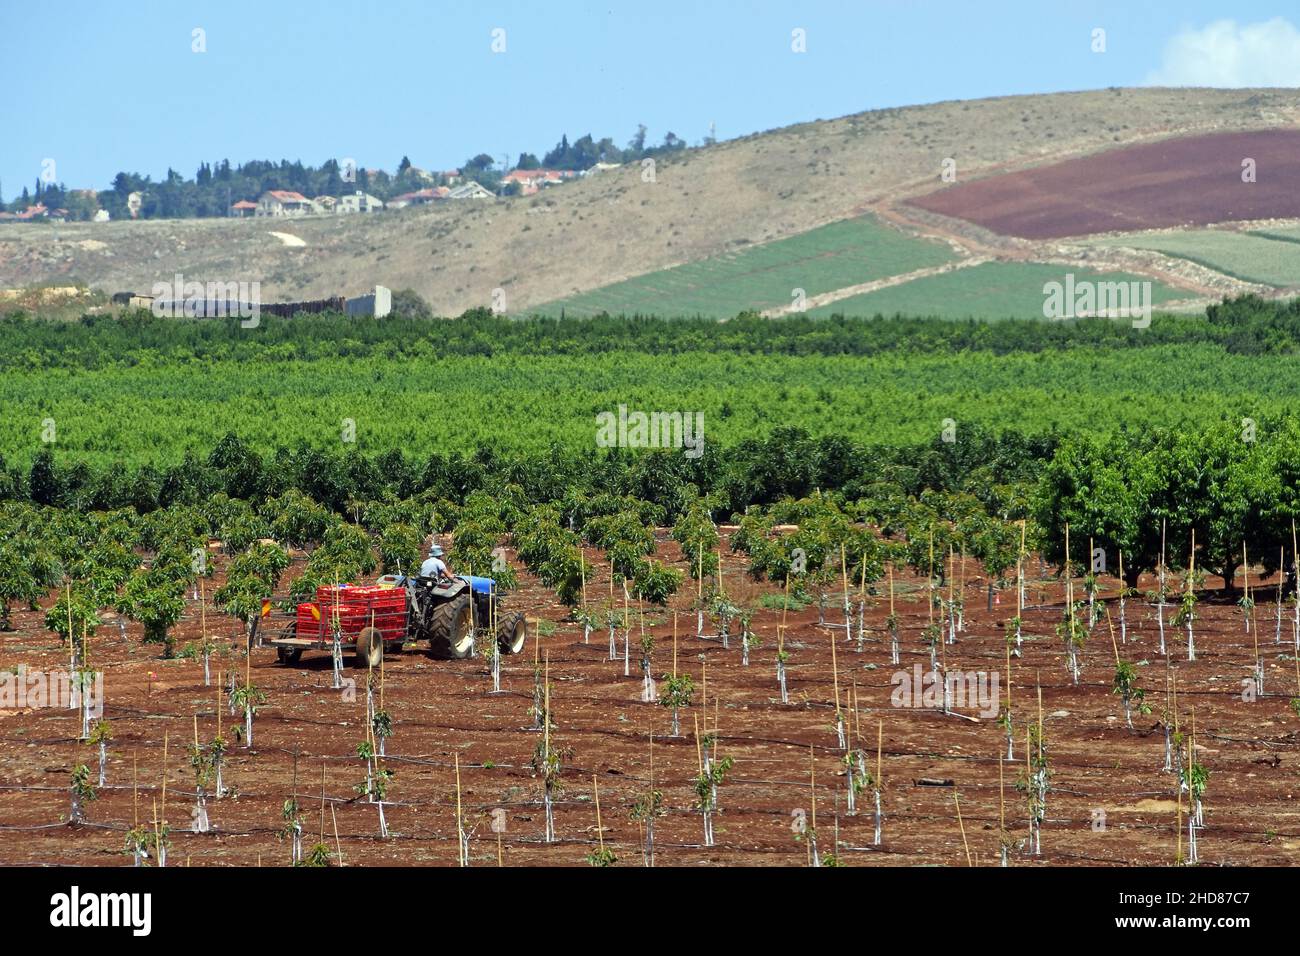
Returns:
<point x="447" y="612"/>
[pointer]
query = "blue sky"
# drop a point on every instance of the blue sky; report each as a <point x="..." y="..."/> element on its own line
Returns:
<point x="101" y="87"/>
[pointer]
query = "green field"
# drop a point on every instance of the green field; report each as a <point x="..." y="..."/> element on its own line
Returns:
<point x="1253" y="257"/>
<point x="993" y="290"/>
<point x="764" y="276"/>
<point x="156" y="412"/>
<point x="1282" y="233"/>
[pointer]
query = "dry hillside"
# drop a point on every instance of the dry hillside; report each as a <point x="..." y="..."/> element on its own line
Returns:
<point x="589" y="233"/>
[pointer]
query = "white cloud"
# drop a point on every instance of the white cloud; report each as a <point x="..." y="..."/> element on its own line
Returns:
<point x="1225" y="53"/>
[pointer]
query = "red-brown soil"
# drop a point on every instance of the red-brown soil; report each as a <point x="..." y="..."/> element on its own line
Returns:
<point x="444" y="710"/>
<point x="1185" y="181"/>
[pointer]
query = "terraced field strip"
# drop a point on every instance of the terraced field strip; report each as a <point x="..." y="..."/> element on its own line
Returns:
<point x="988" y="290"/>
<point x="820" y="261"/>
<point x="1266" y="257"/>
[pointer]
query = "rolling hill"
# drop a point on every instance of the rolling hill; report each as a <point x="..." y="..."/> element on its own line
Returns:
<point x="719" y="204"/>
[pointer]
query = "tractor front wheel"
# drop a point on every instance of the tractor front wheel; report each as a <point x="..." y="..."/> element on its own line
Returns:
<point x="450" y="631"/>
<point x="370" y="647"/>
<point x="512" y="633"/>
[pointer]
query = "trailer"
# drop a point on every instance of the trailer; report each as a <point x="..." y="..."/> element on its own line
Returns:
<point x="372" y="618"/>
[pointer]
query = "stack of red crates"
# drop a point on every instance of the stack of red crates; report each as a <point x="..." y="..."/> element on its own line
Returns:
<point x="359" y="606"/>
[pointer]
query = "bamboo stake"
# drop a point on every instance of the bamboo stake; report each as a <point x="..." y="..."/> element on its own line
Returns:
<point x="338" y="845"/>
<point x="857" y="726"/>
<point x="699" y="750"/>
<point x="961" y="581"/>
<point x="1281" y="575"/>
<point x="785" y="608"/>
<point x="812" y="789"/>
<point x="1114" y="646"/>
<point x="650" y="796"/>
<point x="835" y="677"/>
<point x="1020" y="571"/>
<point x="952" y="578"/>
<point x="962" y="827"/>
<point x="704" y="689"/>
<point x="699" y="570"/>
<point x="460" y="828"/>
<point x="1295" y="561"/>
<point x="891" y="588"/>
<point x="930" y="583"/>
<point x="880" y="736"/>
<point x="600" y="830"/>
<point x="844" y="572"/>
<point x="1002" y="796"/>
<point x="1178" y="858"/>
<point x="1008" y="649"/>
<point x="1040" y="714"/>
<point x="1296" y="658"/>
<point x="164" y="778"/>
<point x="1123" y="619"/>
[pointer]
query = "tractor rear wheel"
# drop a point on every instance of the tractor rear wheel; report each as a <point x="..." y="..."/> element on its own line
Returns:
<point x="370" y="647"/>
<point x="512" y="633"/>
<point x="450" y="633"/>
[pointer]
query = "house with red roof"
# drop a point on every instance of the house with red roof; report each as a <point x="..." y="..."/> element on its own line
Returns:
<point x="284" y="202"/>
<point x="531" y="180"/>
<point x="421" y="197"/>
<point x="243" y="208"/>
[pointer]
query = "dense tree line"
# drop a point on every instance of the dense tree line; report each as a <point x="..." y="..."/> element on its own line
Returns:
<point x="850" y="506"/>
<point x="1236" y="485"/>
<point x="787" y="463"/>
<point x="1246" y="325"/>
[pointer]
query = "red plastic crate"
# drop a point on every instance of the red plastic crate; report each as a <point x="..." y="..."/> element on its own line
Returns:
<point x="308" y="624"/>
<point x="358" y="607"/>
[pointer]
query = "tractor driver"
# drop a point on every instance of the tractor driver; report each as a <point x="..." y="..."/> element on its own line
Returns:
<point x="435" y="567"/>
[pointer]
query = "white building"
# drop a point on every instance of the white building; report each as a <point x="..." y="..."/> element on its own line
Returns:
<point x="358" y="202"/>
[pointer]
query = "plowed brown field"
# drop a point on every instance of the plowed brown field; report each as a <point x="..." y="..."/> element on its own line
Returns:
<point x="444" y="710"/>
<point x="1187" y="181"/>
